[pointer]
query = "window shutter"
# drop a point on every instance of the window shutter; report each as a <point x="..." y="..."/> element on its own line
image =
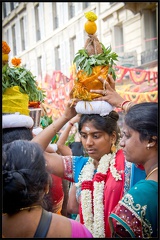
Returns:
<point x="25" y="32"/>
<point x="33" y="26"/>
<point x="43" y="64"/>
<point x="41" y="19"/>
<point x="18" y="34"/>
<point x="78" y="8"/>
<point x="65" y="11"/>
<point x="50" y="12"/>
<point x="8" y="8"/>
<point x="60" y="13"/>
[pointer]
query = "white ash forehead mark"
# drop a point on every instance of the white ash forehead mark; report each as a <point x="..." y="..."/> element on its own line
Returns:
<point x="87" y="129"/>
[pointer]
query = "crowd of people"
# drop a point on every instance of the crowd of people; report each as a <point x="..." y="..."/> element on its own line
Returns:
<point x="114" y="184"/>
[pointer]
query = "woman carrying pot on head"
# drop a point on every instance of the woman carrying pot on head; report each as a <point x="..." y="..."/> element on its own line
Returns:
<point x="103" y="177"/>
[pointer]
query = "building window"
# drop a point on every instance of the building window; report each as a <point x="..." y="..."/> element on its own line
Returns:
<point x="37" y="23"/>
<point x="14" y="39"/>
<point x="7" y="35"/>
<point x="85" y="4"/>
<point x="16" y="4"/>
<point x="150" y="43"/>
<point x="55" y="16"/>
<point x="12" y="5"/>
<point x="57" y="59"/>
<point x="4" y="9"/>
<point x="71" y="10"/>
<point x="39" y="65"/>
<point x="22" y="33"/>
<point x="8" y="8"/>
<point x="118" y="37"/>
<point x="150" y="30"/>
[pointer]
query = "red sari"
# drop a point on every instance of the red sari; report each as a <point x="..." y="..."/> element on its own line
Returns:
<point x="57" y="194"/>
<point x="113" y="190"/>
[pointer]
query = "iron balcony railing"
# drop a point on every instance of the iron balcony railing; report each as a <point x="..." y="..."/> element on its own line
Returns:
<point x="149" y="56"/>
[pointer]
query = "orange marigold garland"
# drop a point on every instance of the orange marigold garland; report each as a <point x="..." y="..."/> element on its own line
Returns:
<point x="5" y="51"/>
<point x="16" y="61"/>
<point x="5" y="48"/>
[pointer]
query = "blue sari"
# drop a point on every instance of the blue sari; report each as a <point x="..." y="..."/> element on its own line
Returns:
<point x="137" y="174"/>
<point x="136" y="214"/>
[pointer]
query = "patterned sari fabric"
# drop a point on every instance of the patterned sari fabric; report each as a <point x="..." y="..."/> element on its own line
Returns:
<point x="136" y="215"/>
<point x="113" y="190"/>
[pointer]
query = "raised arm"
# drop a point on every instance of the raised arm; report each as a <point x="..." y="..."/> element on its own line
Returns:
<point x="62" y="148"/>
<point x="45" y="137"/>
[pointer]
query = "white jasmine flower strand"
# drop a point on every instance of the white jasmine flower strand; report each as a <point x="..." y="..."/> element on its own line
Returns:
<point x="87" y="209"/>
<point x="99" y="231"/>
<point x="93" y="216"/>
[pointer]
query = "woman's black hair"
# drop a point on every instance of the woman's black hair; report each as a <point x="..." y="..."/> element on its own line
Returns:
<point x="24" y="175"/>
<point x="143" y="118"/>
<point x="12" y="134"/>
<point x="106" y="123"/>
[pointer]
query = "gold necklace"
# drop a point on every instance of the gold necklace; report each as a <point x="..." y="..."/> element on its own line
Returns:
<point x="151" y="172"/>
<point x="25" y="208"/>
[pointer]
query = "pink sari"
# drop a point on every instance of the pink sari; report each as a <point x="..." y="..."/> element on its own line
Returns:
<point x="79" y="230"/>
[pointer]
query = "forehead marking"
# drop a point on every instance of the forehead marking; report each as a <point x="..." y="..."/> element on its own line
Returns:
<point x="87" y="128"/>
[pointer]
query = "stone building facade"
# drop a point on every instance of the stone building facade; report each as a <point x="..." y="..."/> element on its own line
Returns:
<point x="46" y="35"/>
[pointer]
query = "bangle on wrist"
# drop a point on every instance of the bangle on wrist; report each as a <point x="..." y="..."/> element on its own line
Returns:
<point x="127" y="106"/>
<point x="123" y="103"/>
<point x="71" y="124"/>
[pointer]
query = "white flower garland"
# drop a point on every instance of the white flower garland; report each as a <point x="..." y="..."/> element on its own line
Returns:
<point x="95" y="222"/>
<point x="86" y="198"/>
<point x="99" y="227"/>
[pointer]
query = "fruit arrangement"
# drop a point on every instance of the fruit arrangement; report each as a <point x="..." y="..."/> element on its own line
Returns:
<point x="92" y="61"/>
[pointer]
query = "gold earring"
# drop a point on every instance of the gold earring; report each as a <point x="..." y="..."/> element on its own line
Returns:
<point x="148" y="146"/>
<point x="113" y="148"/>
<point x="47" y="192"/>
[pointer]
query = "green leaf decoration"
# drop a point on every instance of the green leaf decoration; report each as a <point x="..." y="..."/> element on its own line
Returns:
<point x="45" y="121"/>
<point x="86" y="63"/>
<point x="19" y="76"/>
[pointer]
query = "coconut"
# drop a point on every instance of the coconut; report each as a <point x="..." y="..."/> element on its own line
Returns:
<point x="93" y="46"/>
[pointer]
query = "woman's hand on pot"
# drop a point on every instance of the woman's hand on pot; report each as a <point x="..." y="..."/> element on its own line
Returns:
<point x="109" y="94"/>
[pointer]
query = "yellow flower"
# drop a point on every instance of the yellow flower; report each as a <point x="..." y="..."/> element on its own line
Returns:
<point x="4" y="58"/>
<point x="16" y="61"/>
<point x="5" y="48"/>
<point x="91" y="16"/>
